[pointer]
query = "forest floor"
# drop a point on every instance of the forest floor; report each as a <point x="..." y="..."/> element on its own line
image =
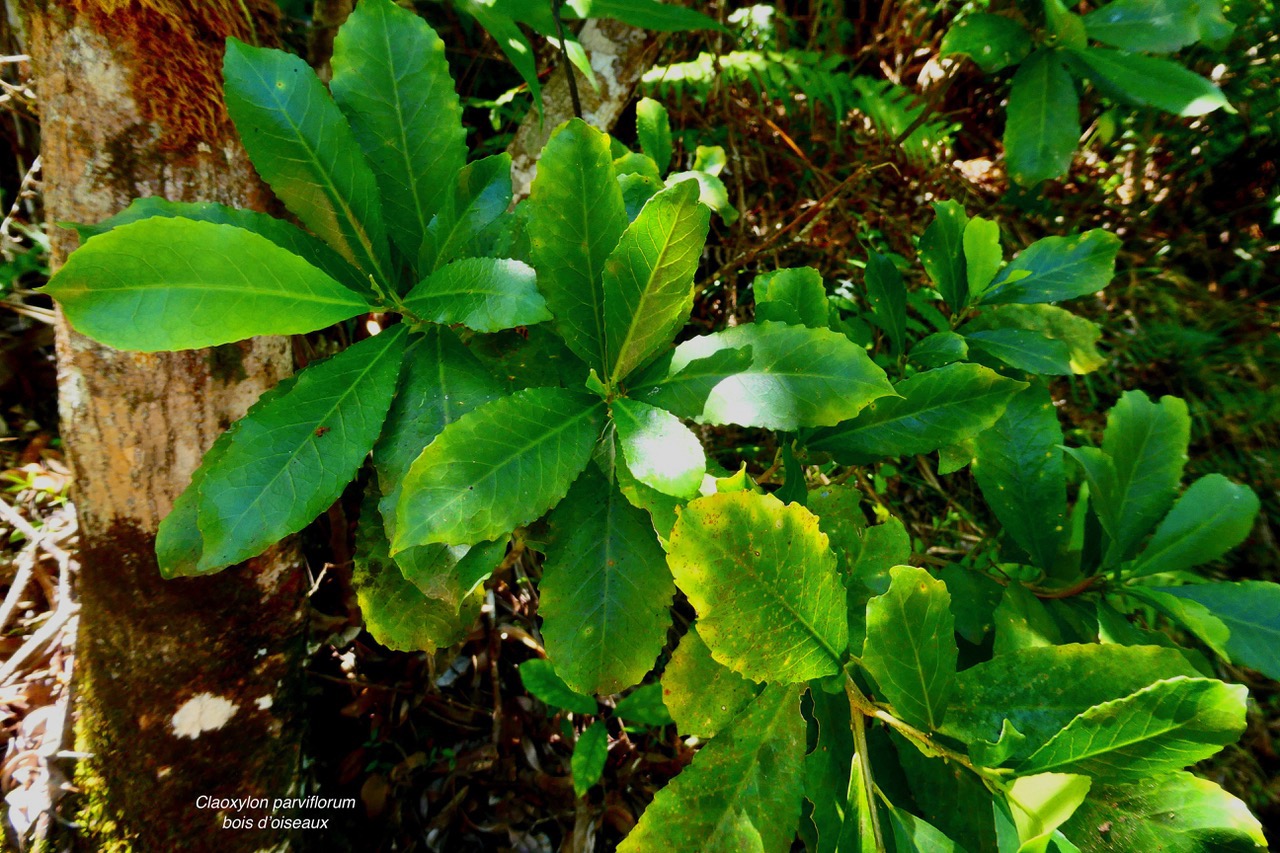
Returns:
<point x="447" y="751"/>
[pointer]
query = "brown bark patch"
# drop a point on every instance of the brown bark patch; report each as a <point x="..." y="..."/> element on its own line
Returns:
<point x="184" y="99"/>
<point x="202" y="637"/>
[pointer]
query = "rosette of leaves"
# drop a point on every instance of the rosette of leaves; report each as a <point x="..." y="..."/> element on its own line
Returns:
<point x="642" y="174"/>
<point x="611" y="459"/>
<point x="394" y="219"/>
<point x="1051" y="54"/>
<point x="962" y="362"/>
<point x="1039" y="739"/>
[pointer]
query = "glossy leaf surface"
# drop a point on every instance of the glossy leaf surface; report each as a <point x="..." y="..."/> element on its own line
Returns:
<point x="606" y="589"/>
<point x="499" y="466"/>
<point x="911" y="645"/>
<point x="742" y="791"/>
<point x="796" y="377"/>
<point x="484" y="294"/>
<point x="391" y="80"/>
<point x="301" y="145"/>
<point x="576" y="216"/>
<point x="1175" y="813"/>
<point x="1167" y="726"/>
<point x="1020" y="469"/>
<point x="1042" y="123"/>
<point x="935" y="408"/>
<point x="197" y="284"/>
<point x="648" y="278"/>
<point x="293" y="458"/>
<point x="1057" y="268"/>
<point x="659" y="450"/>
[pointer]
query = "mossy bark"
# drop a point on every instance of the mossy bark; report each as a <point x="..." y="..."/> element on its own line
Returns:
<point x="135" y="426"/>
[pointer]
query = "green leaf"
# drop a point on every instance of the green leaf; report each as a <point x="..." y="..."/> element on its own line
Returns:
<point x="645" y="707"/>
<point x="1150" y="26"/>
<point x="1057" y="268"/>
<point x="589" y="756"/>
<point x="498" y="467"/>
<point x="450" y="573"/>
<point x="1251" y="610"/>
<point x="287" y="236"/>
<point x="1040" y="804"/>
<point x="395" y="611"/>
<point x="196" y="284"/>
<point x="660" y="451"/>
<point x="888" y="297"/>
<point x="1022" y="622"/>
<point x="1041" y="689"/>
<point x="916" y="835"/>
<point x="440" y="381"/>
<point x="632" y="163"/>
<point x="605" y="591"/>
<point x="1148" y="81"/>
<point x="1078" y="334"/>
<point x="797" y="377"/>
<point x="952" y="800"/>
<point x="645" y="14"/>
<point x="710" y="159"/>
<point x="1066" y="27"/>
<point x="987" y="754"/>
<point x="576" y="217"/>
<point x="982" y="253"/>
<point x="648" y="278"/>
<point x="938" y="349"/>
<point x="953" y="457"/>
<point x="1147" y="443"/>
<point x="178" y="541"/>
<point x="1023" y="349"/>
<point x="1020" y="469"/>
<point x="510" y="41"/>
<point x="745" y="784"/>
<point x="1213" y="516"/>
<point x="1164" y="727"/>
<point x="711" y="192"/>
<point x="911" y="645"/>
<point x="294" y="457"/>
<point x="636" y="192"/>
<point x="702" y="695"/>
<point x="992" y="41"/>
<point x="686" y="392"/>
<point x="942" y="253"/>
<point x="935" y="408"/>
<point x="1192" y="615"/>
<point x="653" y="128"/>
<point x="485" y="294"/>
<point x="795" y="296"/>
<point x="543" y="682"/>
<point x="827" y="774"/>
<point x="1042" y="121"/>
<point x="301" y="145"/>
<point x="753" y="567"/>
<point x="477" y="198"/>
<point x="1173" y="813"/>
<point x="391" y="80"/>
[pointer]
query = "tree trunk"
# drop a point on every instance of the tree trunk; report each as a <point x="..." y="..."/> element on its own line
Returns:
<point x="187" y="687"/>
<point x="620" y="54"/>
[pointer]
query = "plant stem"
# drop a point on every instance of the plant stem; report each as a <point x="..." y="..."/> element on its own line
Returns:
<point x="863" y="759"/>
<point x="564" y="59"/>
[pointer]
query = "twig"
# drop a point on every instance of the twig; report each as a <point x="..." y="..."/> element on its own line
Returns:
<point x="26" y="563"/>
<point x="564" y="59"/>
<point x="11" y="515"/>
<point x="17" y="200"/>
<point x="37" y="641"/>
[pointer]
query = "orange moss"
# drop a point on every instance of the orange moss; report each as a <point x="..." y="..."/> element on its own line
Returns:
<point x="179" y="44"/>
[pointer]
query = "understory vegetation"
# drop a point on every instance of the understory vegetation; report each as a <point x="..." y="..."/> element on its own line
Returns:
<point x="870" y="442"/>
